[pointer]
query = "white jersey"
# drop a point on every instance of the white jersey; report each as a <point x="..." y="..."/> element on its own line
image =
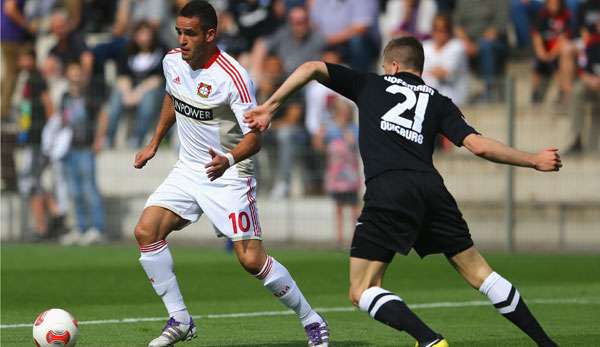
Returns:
<point x="209" y="105"/>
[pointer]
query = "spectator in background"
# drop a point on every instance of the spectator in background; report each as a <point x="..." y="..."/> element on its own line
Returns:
<point x="256" y="18"/>
<point x="318" y="117"/>
<point x="554" y="52"/>
<point x="139" y="84"/>
<point x="481" y="25"/>
<point x="353" y="25"/>
<point x="294" y="43"/>
<point x="446" y="62"/>
<point x="589" y="13"/>
<point x="34" y="107"/>
<point x="288" y="134"/>
<point x="342" y="179"/>
<point x="587" y="101"/>
<point x="129" y="14"/>
<point x="14" y="33"/>
<point x="70" y="46"/>
<point x="414" y="18"/>
<point x="16" y="30"/>
<point x="523" y="14"/>
<point x="80" y="113"/>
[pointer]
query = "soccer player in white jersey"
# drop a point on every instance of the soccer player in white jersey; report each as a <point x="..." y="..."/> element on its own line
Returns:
<point x="207" y="95"/>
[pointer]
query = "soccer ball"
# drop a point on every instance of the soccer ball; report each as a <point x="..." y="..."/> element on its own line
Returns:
<point x="54" y="328"/>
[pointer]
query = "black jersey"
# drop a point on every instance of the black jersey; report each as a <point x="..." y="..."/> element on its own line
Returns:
<point x="399" y="118"/>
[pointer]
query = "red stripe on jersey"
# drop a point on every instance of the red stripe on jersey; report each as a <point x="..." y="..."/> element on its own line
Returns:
<point x="238" y="74"/>
<point x="237" y="86"/>
<point x="235" y="75"/>
<point x="212" y="59"/>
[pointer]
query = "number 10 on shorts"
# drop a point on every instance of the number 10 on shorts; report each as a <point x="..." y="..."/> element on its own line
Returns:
<point x="241" y="222"/>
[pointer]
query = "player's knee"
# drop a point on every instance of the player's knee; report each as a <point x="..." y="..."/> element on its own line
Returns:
<point x="145" y="235"/>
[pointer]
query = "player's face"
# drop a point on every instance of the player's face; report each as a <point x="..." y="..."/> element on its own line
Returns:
<point x="193" y="40"/>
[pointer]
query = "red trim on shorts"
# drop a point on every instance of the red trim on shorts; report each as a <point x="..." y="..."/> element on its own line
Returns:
<point x="236" y="77"/>
<point x="212" y="59"/>
<point x="153" y="246"/>
<point x="252" y="205"/>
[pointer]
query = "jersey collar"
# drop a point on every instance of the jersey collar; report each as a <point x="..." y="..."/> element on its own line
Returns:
<point x="410" y="77"/>
<point x="212" y="59"/>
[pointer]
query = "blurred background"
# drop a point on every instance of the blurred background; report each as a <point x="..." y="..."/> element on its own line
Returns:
<point x="82" y="87"/>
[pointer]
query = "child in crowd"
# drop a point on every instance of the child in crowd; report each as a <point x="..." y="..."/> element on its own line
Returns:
<point x="342" y="177"/>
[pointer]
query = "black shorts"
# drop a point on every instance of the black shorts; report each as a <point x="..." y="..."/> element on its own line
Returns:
<point x="409" y="209"/>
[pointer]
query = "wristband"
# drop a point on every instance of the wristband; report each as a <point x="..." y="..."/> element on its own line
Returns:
<point x="230" y="158"/>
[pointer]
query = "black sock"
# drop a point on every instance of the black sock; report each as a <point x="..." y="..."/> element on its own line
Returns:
<point x="508" y="302"/>
<point x="389" y="309"/>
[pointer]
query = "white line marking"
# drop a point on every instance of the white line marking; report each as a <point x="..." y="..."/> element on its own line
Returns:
<point x="321" y="309"/>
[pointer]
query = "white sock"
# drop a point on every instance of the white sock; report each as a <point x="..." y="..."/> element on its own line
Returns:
<point x="501" y="293"/>
<point x="157" y="261"/>
<point x="278" y="281"/>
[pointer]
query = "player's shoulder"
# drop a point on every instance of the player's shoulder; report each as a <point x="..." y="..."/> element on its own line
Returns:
<point x="173" y="55"/>
<point x="231" y="66"/>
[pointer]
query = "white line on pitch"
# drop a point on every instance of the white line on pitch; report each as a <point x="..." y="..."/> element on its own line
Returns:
<point x="322" y="310"/>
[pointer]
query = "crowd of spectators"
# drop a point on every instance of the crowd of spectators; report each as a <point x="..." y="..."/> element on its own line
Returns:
<point x="79" y="76"/>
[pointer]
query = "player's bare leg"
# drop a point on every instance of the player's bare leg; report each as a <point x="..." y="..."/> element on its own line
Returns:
<point x="503" y="295"/>
<point x="366" y="277"/>
<point x="151" y="231"/>
<point x="276" y="278"/>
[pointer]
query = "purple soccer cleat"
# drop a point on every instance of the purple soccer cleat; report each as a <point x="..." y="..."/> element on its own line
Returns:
<point x="318" y="334"/>
<point x="174" y="332"/>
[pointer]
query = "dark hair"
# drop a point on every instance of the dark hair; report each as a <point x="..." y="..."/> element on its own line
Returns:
<point x="203" y="10"/>
<point x="134" y="48"/>
<point x="406" y="51"/>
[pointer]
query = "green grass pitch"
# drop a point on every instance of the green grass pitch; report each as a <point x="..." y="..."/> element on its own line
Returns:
<point x="104" y="283"/>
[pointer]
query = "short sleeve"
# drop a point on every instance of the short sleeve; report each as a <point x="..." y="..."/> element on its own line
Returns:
<point x="345" y="81"/>
<point x="453" y="124"/>
<point x="242" y="99"/>
<point x="167" y="73"/>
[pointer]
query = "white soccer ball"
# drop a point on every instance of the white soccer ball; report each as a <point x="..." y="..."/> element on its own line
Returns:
<point x="54" y="328"/>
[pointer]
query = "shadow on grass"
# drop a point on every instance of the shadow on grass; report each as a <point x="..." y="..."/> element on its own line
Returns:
<point x="298" y="343"/>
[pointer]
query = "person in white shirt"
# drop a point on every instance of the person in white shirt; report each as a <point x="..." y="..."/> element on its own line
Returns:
<point x="207" y="95"/>
<point x="446" y="64"/>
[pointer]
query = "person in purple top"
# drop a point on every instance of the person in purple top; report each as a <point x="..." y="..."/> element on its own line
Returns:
<point x="14" y="31"/>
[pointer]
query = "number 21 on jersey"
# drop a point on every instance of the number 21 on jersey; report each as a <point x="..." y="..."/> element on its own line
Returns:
<point x="392" y="120"/>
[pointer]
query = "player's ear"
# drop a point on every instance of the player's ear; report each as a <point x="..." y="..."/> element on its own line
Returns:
<point x="210" y="35"/>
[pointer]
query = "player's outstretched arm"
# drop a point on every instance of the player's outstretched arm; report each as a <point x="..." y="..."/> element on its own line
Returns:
<point x="490" y="149"/>
<point x="249" y="146"/>
<point x="260" y="117"/>
<point x="165" y="122"/>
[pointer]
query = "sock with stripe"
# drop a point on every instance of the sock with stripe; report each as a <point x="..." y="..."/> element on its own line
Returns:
<point x="388" y="308"/>
<point x="277" y="280"/>
<point x="507" y="300"/>
<point x="157" y="261"/>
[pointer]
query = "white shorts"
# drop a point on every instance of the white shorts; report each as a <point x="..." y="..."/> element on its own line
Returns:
<point x="229" y="202"/>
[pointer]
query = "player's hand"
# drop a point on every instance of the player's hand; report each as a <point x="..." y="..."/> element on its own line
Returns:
<point x="217" y="166"/>
<point x="259" y="118"/>
<point x="548" y="160"/>
<point x="142" y="157"/>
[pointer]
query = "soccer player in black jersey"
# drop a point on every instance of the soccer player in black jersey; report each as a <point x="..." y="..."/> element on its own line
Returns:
<point x="406" y="204"/>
